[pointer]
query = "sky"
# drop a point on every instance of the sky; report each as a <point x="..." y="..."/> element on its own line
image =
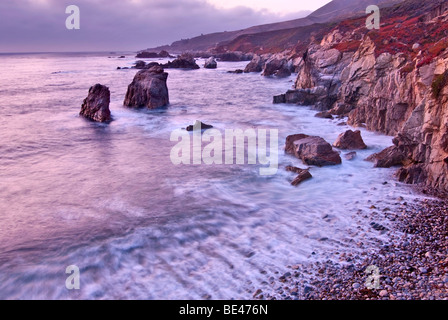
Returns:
<point x="113" y="25"/>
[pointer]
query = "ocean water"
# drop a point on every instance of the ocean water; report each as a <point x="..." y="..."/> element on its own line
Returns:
<point x="107" y="198"/>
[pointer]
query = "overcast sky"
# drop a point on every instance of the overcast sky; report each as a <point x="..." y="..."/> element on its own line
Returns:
<point x="105" y="25"/>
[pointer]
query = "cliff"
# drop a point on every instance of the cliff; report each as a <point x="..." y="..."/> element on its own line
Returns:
<point x="393" y="80"/>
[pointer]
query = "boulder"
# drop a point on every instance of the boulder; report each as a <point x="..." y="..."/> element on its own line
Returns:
<point x="312" y="150"/>
<point x="184" y="61"/>
<point x="387" y="158"/>
<point x="302" y="175"/>
<point x="283" y="72"/>
<point x="210" y="63"/>
<point x="256" y="64"/>
<point x="198" y="124"/>
<point x="140" y="64"/>
<point x="164" y="54"/>
<point x="350" y="156"/>
<point x="324" y="115"/>
<point x="96" y="105"/>
<point x="237" y="71"/>
<point x="148" y="89"/>
<point x="147" y="55"/>
<point x="350" y="140"/>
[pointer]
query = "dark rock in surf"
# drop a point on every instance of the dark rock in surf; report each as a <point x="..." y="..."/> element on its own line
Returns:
<point x="148" y="89"/>
<point x="350" y="140"/>
<point x="199" y="126"/>
<point x="96" y="105"/>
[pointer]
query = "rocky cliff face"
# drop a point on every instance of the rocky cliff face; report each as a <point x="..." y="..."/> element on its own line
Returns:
<point x="393" y="81"/>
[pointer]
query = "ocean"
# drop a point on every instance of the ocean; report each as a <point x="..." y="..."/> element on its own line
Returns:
<point x="108" y="199"/>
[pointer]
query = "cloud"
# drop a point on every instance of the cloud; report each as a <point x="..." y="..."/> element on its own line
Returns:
<point x="39" y="25"/>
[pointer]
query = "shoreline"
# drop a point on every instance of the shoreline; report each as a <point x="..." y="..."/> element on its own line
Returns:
<point x="412" y="265"/>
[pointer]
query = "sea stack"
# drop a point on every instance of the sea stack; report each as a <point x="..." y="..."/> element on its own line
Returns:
<point x="148" y="89"/>
<point x="96" y="105"/>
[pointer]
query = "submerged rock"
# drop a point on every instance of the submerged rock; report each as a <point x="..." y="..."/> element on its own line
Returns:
<point x="148" y="89"/>
<point x="210" y="63"/>
<point x="237" y="71"/>
<point x="96" y="105"/>
<point x="350" y="140"/>
<point x="312" y="150"/>
<point x="198" y="124"/>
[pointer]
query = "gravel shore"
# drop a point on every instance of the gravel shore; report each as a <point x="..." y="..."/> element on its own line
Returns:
<point x="412" y="265"/>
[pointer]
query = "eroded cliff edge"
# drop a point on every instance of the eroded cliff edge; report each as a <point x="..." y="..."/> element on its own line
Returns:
<point x="393" y="80"/>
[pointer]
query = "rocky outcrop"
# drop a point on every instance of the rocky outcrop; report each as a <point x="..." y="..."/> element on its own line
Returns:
<point x="198" y="125"/>
<point x="350" y="140"/>
<point x="148" y="89"/>
<point x="152" y="55"/>
<point x="237" y="71"/>
<point x="312" y="150"/>
<point x="210" y="63"/>
<point x="184" y="61"/>
<point x="384" y="82"/>
<point x="96" y="105"/>
<point x="256" y="64"/>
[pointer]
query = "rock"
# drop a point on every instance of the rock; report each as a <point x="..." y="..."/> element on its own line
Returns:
<point x="289" y="145"/>
<point x="139" y="64"/>
<point x="164" y="54"/>
<point x="279" y="99"/>
<point x="387" y="158"/>
<point x="416" y="46"/>
<point x="198" y="124"/>
<point x="234" y="56"/>
<point x="147" y="55"/>
<point x="274" y="65"/>
<point x="211" y="63"/>
<point x="256" y="64"/>
<point x="356" y="286"/>
<point x="303" y="174"/>
<point x="350" y="140"/>
<point x="423" y="270"/>
<point x="96" y="105"/>
<point x="350" y="156"/>
<point x="312" y="150"/>
<point x="184" y="61"/>
<point x="237" y="71"/>
<point x="121" y="57"/>
<point x="383" y="293"/>
<point x="148" y="89"/>
<point x="283" y="72"/>
<point x="324" y="115"/>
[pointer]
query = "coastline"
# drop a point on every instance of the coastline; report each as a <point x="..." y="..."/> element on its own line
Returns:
<point x="412" y="265"/>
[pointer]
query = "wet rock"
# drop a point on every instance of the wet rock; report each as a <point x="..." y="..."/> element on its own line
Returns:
<point x="140" y="64"/>
<point x="350" y="140"/>
<point x="324" y="115"/>
<point x="302" y="176"/>
<point x="184" y="61"/>
<point x="350" y="156"/>
<point x="148" y="89"/>
<point x="387" y="158"/>
<point x="210" y="63"/>
<point x="147" y="55"/>
<point x="312" y="150"/>
<point x="96" y="105"/>
<point x="237" y="71"/>
<point x="256" y="64"/>
<point x="199" y="126"/>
